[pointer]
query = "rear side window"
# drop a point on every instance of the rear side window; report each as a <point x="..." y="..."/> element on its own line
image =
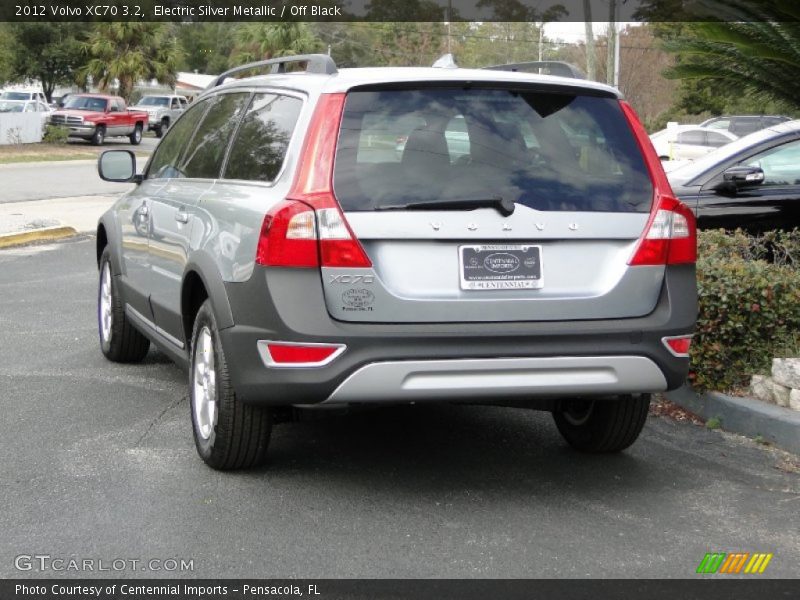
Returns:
<point x="548" y="151"/>
<point x="164" y="163"/>
<point x="693" y="137"/>
<point x="260" y="144"/>
<point x="203" y="158"/>
<point x="716" y="139"/>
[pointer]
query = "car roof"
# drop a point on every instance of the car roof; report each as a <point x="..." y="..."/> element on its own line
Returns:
<point x="346" y="79"/>
<point x="692" y="127"/>
<point x="747" y="117"/>
<point x="90" y="95"/>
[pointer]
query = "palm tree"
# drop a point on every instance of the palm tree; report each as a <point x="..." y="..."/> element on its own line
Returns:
<point x="259" y="41"/>
<point x="758" y="52"/>
<point x="128" y="52"/>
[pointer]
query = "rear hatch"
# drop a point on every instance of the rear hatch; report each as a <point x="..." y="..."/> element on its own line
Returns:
<point x="488" y="203"/>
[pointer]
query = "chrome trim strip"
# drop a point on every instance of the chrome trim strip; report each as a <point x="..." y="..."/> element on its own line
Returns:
<point x="266" y="356"/>
<point x="140" y="317"/>
<point x="468" y="379"/>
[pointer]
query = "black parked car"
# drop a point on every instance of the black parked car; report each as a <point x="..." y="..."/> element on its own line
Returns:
<point x="752" y="183"/>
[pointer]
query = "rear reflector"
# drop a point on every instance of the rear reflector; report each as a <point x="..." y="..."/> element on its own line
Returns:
<point x="678" y="345"/>
<point x="308" y="229"/>
<point x="670" y="237"/>
<point x="290" y="354"/>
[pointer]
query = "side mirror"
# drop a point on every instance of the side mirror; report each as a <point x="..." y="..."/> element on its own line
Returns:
<point x="118" y="166"/>
<point x="741" y="177"/>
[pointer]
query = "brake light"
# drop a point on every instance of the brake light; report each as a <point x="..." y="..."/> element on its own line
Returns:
<point x="309" y="229"/>
<point x="670" y="237"/>
<point x="290" y="354"/>
<point x="678" y="345"/>
<point x="288" y="236"/>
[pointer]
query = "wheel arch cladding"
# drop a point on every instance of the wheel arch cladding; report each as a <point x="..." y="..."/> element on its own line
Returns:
<point x="202" y="280"/>
<point x="101" y="242"/>
<point x="108" y="237"/>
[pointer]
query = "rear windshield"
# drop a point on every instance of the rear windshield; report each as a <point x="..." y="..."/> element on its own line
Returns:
<point x="154" y="101"/>
<point x="15" y="96"/>
<point x="548" y="151"/>
<point x="86" y="103"/>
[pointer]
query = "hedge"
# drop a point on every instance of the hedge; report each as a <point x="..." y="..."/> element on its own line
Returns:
<point x="749" y="289"/>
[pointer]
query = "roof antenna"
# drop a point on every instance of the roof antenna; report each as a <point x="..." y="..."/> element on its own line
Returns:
<point x="445" y="61"/>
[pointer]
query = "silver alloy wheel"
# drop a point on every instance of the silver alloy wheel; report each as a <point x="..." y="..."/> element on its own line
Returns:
<point x="578" y="412"/>
<point x="204" y="388"/>
<point x="137" y="134"/>
<point x="105" y="314"/>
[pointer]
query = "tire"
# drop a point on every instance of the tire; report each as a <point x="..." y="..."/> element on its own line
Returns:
<point x="228" y="434"/>
<point x="99" y="136"/>
<point x="136" y="136"/>
<point x="162" y="128"/>
<point x="602" y="426"/>
<point x="120" y="341"/>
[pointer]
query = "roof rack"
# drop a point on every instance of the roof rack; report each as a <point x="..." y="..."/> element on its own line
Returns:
<point x="321" y="64"/>
<point x="550" y="67"/>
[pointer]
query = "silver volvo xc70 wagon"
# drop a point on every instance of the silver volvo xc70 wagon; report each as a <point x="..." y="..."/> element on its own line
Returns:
<point x="395" y="235"/>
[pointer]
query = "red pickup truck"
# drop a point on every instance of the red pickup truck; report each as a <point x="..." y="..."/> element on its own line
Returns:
<point x="95" y="117"/>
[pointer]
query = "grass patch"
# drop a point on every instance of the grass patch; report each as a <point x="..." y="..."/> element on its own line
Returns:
<point x="45" y="152"/>
<point x="25" y="153"/>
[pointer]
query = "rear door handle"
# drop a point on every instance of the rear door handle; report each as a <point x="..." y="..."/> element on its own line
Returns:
<point x="182" y="216"/>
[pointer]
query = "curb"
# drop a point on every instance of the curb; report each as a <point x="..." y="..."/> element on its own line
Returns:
<point x="36" y="235"/>
<point x="747" y="416"/>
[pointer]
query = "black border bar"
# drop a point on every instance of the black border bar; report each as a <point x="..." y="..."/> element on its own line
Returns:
<point x="702" y="588"/>
<point x="390" y="10"/>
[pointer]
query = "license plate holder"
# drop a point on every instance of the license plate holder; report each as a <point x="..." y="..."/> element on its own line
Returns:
<point x="487" y="267"/>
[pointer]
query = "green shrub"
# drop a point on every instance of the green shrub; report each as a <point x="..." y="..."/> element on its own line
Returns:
<point x="55" y="134"/>
<point x="749" y="289"/>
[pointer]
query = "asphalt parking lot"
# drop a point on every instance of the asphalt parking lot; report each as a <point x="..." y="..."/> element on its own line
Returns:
<point x="99" y="463"/>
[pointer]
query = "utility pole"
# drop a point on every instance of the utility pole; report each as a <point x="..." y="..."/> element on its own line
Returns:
<point x="449" y="32"/>
<point x="611" y="54"/>
<point x="616" y="60"/>
<point x="587" y="15"/>
<point x="541" y="41"/>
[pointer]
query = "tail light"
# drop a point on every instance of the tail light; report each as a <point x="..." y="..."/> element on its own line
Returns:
<point x="309" y="229"/>
<point x="678" y="345"/>
<point x="670" y="237"/>
<point x="291" y="354"/>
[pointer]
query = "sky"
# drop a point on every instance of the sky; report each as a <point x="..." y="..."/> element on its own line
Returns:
<point x="573" y="31"/>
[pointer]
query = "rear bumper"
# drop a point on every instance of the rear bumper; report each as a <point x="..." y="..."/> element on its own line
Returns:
<point x="474" y="379"/>
<point x="469" y="361"/>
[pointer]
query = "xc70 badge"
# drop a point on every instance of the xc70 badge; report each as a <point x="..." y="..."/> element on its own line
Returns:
<point x="350" y="279"/>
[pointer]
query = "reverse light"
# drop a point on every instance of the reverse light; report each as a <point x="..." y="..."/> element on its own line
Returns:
<point x="309" y="229"/>
<point x="296" y="355"/>
<point x="678" y="345"/>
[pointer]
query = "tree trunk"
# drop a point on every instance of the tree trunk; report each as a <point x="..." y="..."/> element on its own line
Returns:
<point x="125" y="88"/>
<point x="587" y="15"/>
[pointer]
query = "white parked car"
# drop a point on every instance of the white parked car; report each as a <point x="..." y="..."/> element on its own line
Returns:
<point x="27" y="106"/>
<point x="687" y="142"/>
<point x="23" y="95"/>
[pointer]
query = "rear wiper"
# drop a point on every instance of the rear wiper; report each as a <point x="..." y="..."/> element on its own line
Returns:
<point x="503" y="206"/>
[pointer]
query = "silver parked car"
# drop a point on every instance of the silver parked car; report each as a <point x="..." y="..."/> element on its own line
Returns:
<point x="162" y="111"/>
<point x="280" y="247"/>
